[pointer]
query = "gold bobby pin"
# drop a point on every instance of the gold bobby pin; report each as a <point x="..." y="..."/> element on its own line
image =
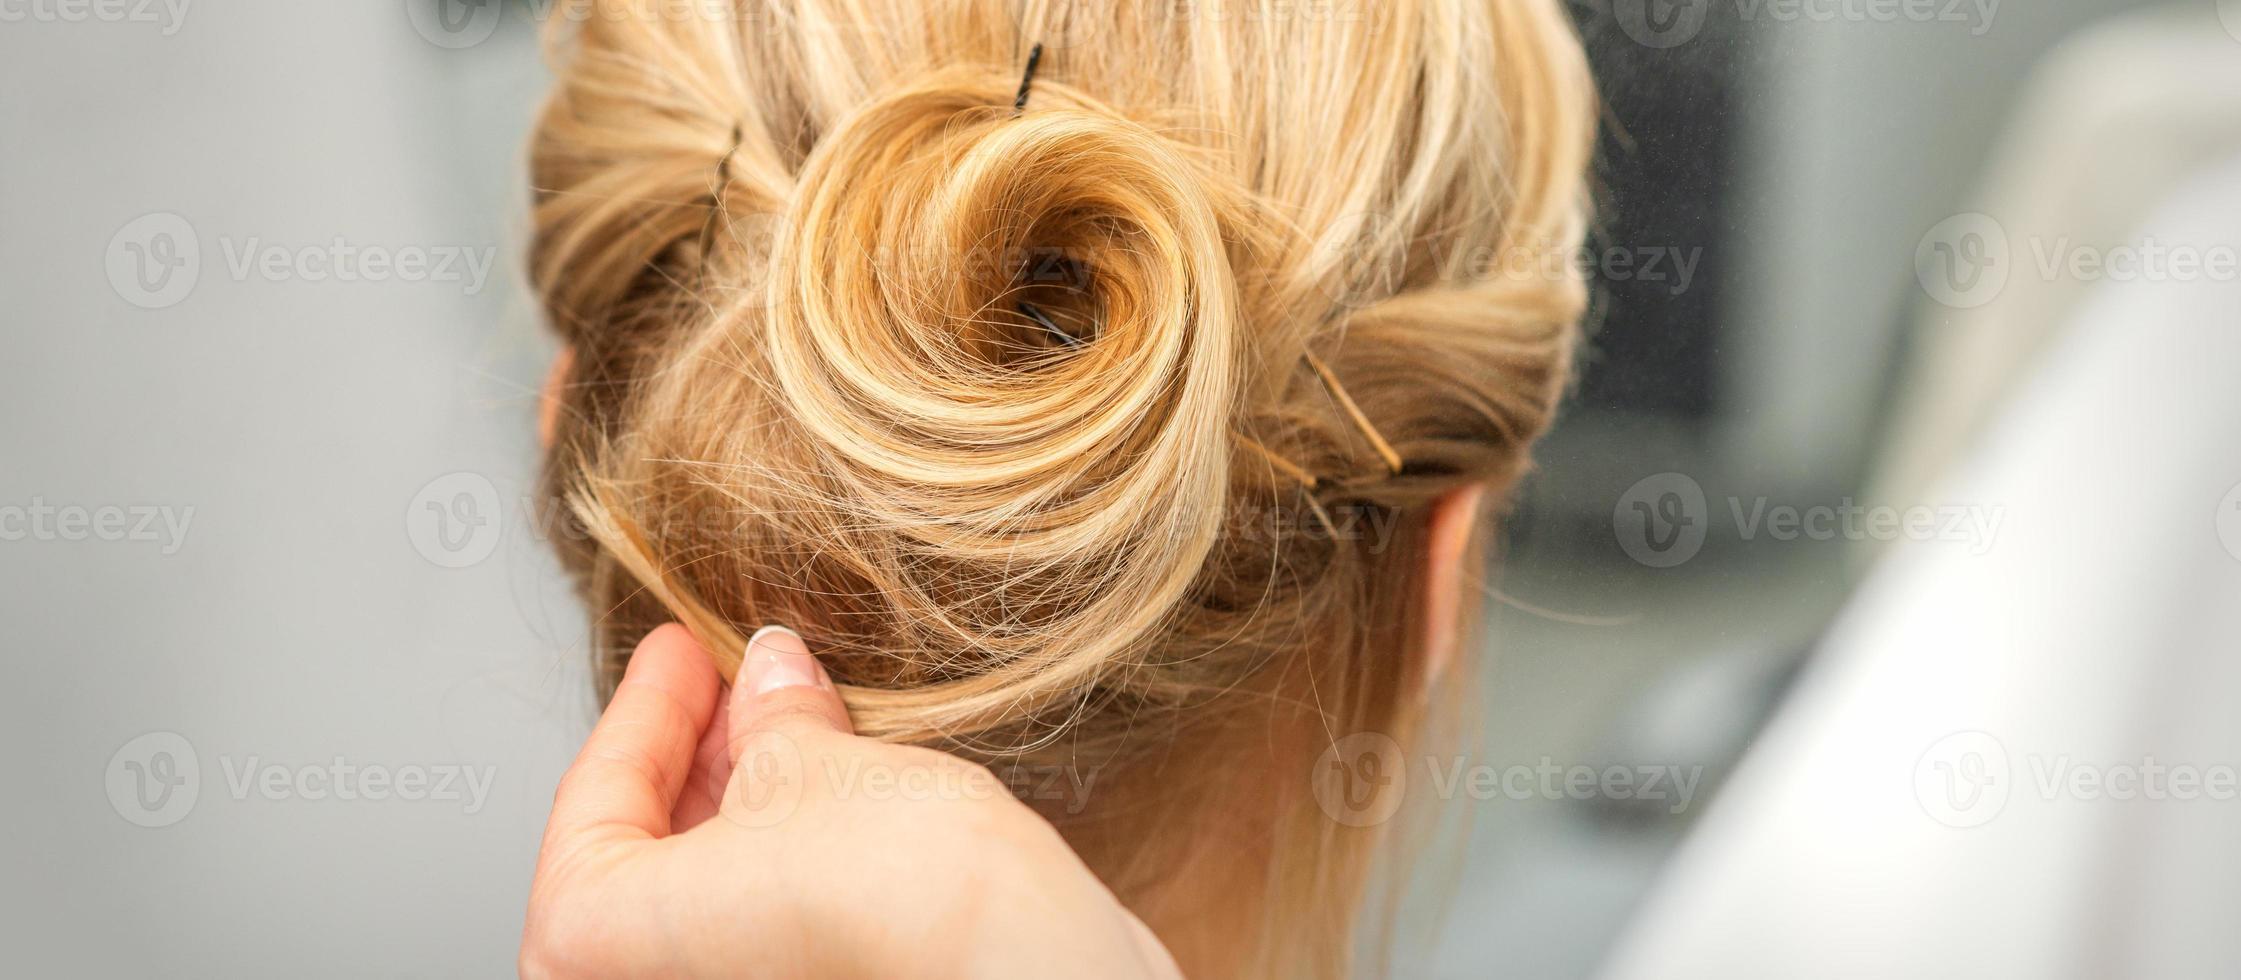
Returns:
<point x="1287" y="467"/>
<point x="1295" y="471"/>
<point x="1353" y="411"/>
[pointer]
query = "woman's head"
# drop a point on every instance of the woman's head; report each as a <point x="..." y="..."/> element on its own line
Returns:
<point x="1107" y="433"/>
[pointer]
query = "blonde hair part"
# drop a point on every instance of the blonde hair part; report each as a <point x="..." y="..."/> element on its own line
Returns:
<point x="790" y="242"/>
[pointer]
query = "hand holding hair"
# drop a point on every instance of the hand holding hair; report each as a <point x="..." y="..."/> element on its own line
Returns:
<point x="702" y="833"/>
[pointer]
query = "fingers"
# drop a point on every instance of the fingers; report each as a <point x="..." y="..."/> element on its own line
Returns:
<point x="782" y="689"/>
<point x="627" y="778"/>
<point x="703" y="795"/>
<point x="1158" y="962"/>
<point x="782" y="707"/>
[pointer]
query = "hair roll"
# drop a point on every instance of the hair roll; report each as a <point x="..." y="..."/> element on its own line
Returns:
<point x="1067" y="435"/>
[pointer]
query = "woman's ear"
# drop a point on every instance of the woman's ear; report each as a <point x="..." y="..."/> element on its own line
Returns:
<point x="548" y="399"/>
<point x="1454" y="517"/>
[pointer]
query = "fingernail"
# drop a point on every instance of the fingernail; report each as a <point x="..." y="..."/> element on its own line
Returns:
<point x="777" y="658"/>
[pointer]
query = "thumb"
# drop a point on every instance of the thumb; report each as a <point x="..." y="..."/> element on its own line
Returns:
<point x="782" y="689"/>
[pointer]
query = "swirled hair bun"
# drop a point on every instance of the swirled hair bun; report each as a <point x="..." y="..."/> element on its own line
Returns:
<point x="1096" y="434"/>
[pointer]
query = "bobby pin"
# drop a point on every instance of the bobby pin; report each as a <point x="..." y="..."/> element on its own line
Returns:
<point x="1297" y="472"/>
<point x="1035" y="313"/>
<point x="1354" y="412"/>
<point x="716" y="199"/>
<point x="1284" y="466"/>
<point x="1034" y="57"/>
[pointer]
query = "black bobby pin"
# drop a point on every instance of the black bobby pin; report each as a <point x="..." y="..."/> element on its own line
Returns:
<point x="1035" y="313"/>
<point x="1019" y="105"/>
<point x="716" y="199"/>
<point x="1034" y="58"/>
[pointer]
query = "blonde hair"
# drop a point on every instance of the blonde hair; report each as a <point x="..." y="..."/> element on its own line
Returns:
<point x="1097" y="433"/>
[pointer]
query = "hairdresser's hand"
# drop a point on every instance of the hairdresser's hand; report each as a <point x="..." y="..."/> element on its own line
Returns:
<point x="692" y="839"/>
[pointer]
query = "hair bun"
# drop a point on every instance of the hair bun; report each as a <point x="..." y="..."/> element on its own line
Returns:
<point x="1047" y="422"/>
<point x="930" y="233"/>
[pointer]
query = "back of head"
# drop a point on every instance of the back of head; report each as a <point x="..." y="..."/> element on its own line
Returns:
<point x="1096" y="434"/>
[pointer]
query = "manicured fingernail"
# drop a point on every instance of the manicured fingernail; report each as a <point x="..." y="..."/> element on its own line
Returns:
<point x="777" y="658"/>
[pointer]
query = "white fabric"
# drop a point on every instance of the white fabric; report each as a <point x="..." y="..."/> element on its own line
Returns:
<point x="2102" y="629"/>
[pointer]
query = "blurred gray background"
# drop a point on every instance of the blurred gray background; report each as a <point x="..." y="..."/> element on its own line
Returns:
<point x="293" y="674"/>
